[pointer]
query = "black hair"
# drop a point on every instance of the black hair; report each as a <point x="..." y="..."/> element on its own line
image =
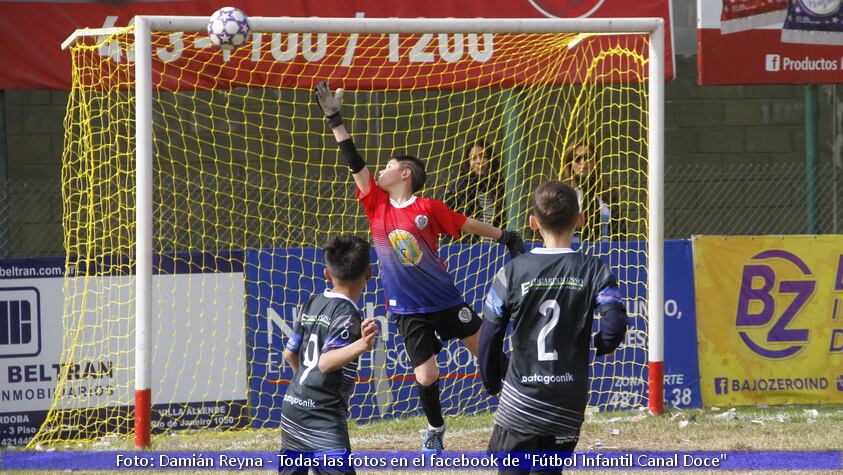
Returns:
<point x="490" y="156"/>
<point x="416" y="167"/>
<point x="555" y="206"/>
<point x="347" y="257"/>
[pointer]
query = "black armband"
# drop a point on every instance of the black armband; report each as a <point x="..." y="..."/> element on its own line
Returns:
<point x="352" y="156"/>
<point x="334" y="120"/>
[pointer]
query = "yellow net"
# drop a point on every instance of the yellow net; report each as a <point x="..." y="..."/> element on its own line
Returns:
<point x="248" y="181"/>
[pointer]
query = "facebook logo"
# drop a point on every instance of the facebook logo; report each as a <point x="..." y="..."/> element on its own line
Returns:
<point x="721" y="385"/>
<point x="773" y="63"/>
<point x="20" y="322"/>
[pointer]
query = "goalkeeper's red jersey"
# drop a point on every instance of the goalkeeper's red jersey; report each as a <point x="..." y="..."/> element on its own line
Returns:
<point x="406" y="240"/>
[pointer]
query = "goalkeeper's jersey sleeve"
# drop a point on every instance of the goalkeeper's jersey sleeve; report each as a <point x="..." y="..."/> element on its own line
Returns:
<point x="315" y="407"/>
<point x="550" y="296"/>
<point x="406" y="240"/>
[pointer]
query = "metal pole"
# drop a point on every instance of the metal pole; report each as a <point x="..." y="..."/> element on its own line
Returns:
<point x="510" y="153"/>
<point x="655" y="252"/>
<point x="420" y="25"/>
<point x="812" y="153"/>
<point x="143" y="223"/>
<point x="5" y="230"/>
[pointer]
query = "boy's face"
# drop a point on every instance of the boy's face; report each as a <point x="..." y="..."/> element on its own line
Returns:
<point x="391" y="175"/>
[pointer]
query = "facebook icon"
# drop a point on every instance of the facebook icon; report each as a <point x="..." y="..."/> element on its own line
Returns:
<point x="20" y="322"/>
<point x="721" y="385"/>
<point x="773" y="62"/>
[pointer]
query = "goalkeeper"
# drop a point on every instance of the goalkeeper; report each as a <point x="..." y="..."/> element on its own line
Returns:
<point x="419" y="291"/>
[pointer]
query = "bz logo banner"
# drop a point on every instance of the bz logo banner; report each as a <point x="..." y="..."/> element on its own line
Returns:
<point x="769" y="306"/>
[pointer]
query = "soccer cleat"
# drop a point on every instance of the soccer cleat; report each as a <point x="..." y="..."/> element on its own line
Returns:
<point x="433" y="441"/>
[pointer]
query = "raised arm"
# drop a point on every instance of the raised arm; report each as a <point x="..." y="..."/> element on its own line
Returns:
<point x="331" y="105"/>
<point x="335" y="359"/>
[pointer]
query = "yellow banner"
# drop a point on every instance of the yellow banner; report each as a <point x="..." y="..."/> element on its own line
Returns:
<point x="770" y="319"/>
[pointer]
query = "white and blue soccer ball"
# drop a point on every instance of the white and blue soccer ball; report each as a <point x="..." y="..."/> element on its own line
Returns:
<point x="229" y="28"/>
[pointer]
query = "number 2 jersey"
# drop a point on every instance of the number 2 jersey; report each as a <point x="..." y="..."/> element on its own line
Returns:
<point x="315" y="409"/>
<point x="550" y="296"/>
<point x="406" y="238"/>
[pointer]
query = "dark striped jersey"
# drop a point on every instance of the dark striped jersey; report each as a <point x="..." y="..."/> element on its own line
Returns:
<point x="550" y="296"/>
<point x="315" y="409"/>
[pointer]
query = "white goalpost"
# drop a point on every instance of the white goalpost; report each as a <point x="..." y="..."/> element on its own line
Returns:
<point x="145" y="148"/>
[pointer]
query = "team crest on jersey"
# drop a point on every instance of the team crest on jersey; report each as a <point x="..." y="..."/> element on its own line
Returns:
<point x="421" y="221"/>
<point x="406" y="247"/>
<point x="464" y="315"/>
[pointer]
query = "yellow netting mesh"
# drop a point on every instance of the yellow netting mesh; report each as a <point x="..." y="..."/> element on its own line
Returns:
<point x="243" y="160"/>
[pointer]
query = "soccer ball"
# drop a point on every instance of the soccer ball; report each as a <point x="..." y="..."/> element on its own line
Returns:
<point x="229" y="28"/>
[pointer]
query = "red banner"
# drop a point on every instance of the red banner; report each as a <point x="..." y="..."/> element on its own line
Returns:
<point x="770" y="42"/>
<point x="34" y="60"/>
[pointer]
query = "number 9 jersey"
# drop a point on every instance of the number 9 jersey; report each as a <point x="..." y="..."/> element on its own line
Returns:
<point x="315" y="408"/>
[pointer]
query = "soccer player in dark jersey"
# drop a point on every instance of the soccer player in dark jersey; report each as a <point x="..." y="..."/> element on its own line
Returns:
<point x="419" y="291"/>
<point x="323" y="349"/>
<point x="550" y="296"/>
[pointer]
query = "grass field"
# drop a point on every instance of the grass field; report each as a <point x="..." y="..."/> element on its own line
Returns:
<point x="786" y="428"/>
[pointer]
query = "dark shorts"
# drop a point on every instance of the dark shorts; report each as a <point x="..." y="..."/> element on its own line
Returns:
<point x="419" y="330"/>
<point x="504" y="440"/>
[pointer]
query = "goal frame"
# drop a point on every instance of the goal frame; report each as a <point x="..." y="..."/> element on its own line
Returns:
<point x="145" y="25"/>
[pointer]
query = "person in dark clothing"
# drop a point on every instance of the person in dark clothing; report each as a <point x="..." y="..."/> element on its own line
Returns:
<point x="478" y="190"/>
<point x="599" y="202"/>
<point x="550" y="296"/>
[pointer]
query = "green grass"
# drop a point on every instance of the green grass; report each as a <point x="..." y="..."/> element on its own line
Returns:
<point x="786" y="428"/>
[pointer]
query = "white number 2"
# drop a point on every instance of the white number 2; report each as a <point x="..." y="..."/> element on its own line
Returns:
<point x="549" y="308"/>
<point x="311" y="356"/>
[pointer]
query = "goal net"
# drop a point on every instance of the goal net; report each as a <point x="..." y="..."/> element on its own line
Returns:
<point x="247" y="183"/>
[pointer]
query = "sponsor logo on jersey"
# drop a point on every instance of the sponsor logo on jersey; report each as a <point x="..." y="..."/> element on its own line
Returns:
<point x="406" y="247"/>
<point x="548" y="378"/>
<point x="545" y="283"/>
<point x="464" y="315"/>
<point x="322" y="320"/>
<point x="421" y="221"/>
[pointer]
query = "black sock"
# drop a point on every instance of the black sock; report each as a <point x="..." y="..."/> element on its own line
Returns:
<point x="429" y="397"/>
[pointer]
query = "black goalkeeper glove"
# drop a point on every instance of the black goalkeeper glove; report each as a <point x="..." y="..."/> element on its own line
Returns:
<point x="513" y="243"/>
<point x="331" y="104"/>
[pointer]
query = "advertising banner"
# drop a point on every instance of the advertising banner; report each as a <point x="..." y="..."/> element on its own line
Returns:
<point x="770" y="319"/>
<point x="770" y="41"/>
<point x="196" y="339"/>
<point x="32" y="57"/>
<point x="280" y="280"/>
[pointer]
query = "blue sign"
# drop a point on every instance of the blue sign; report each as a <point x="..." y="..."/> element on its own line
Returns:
<point x="279" y="281"/>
